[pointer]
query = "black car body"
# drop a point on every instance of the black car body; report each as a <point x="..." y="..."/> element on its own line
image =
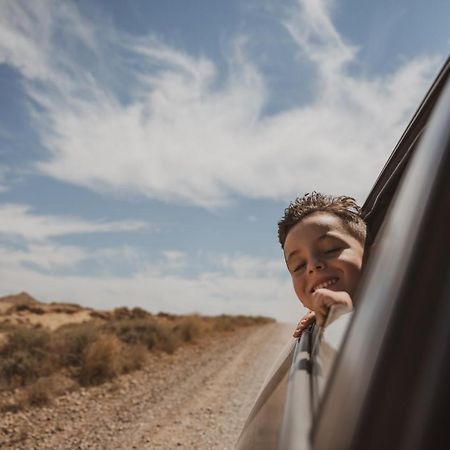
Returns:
<point x="379" y="378"/>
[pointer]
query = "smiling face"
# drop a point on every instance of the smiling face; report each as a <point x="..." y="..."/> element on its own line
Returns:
<point x="320" y="253"/>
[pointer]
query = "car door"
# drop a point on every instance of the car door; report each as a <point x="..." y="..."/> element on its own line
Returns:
<point x="378" y="378"/>
<point x="389" y="386"/>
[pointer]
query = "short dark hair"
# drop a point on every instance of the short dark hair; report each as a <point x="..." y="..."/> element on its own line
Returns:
<point x="343" y="207"/>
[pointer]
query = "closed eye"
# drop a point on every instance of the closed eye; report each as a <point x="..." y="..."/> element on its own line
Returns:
<point x="333" y="250"/>
<point x="299" y="267"/>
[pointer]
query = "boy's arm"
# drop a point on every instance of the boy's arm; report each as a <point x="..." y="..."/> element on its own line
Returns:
<point x="323" y="299"/>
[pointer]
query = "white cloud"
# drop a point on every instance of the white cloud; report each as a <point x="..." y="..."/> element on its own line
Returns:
<point x="246" y="266"/>
<point x="182" y="136"/>
<point x="175" y="259"/>
<point x="45" y="256"/>
<point x="57" y="259"/>
<point x="19" y="220"/>
<point x="311" y="26"/>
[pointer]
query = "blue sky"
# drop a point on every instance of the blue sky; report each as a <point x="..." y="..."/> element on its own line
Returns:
<point x="148" y="149"/>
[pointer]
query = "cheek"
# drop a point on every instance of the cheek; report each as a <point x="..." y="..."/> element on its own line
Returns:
<point x="352" y="270"/>
<point x="300" y="291"/>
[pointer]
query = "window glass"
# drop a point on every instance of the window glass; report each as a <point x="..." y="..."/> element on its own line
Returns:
<point x="326" y="344"/>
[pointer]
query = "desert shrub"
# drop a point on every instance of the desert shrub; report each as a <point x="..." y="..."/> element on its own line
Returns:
<point x="224" y="323"/>
<point x="65" y="308"/>
<point x="261" y="320"/>
<point x="39" y="393"/>
<point x="6" y="326"/>
<point x="71" y="341"/>
<point x="188" y="328"/>
<point x="35" y="340"/>
<point x="171" y="317"/>
<point x="101" y="360"/>
<point x="139" y="313"/>
<point x="121" y="313"/>
<point x="66" y="305"/>
<point x="147" y="332"/>
<point x="134" y="357"/>
<point x="25" y="356"/>
<point x="124" y="313"/>
<point x="230" y="323"/>
<point x="104" y="315"/>
<point x="35" y="309"/>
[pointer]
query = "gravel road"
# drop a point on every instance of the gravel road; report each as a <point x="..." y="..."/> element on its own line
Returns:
<point x="197" y="398"/>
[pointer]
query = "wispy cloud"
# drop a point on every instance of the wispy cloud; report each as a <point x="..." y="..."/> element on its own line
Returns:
<point x="311" y="26"/>
<point x="43" y="256"/>
<point x="179" y="134"/>
<point x="20" y="221"/>
<point x="56" y="259"/>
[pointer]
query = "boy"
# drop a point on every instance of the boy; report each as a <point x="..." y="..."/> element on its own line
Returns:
<point x="323" y="242"/>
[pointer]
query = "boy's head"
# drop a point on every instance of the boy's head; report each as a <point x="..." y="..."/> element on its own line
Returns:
<point x="323" y="240"/>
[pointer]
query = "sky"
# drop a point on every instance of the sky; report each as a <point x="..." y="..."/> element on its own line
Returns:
<point x="148" y="149"/>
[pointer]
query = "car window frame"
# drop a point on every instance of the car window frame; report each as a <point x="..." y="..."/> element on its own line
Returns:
<point x="352" y="404"/>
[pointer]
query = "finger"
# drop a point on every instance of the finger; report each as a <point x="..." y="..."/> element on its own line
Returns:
<point x="307" y="319"/>
<point x="297" y="332"/>
<point x="301" y="327"/>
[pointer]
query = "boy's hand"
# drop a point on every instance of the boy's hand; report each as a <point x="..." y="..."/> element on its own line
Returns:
<point x="324" y="298"/>
<point x="304" y="322"/>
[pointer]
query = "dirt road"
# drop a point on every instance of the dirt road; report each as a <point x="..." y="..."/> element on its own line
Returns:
<point x="197" y="398"/>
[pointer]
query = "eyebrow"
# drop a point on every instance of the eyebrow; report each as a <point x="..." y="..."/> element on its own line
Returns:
<point x="291" y="254"/>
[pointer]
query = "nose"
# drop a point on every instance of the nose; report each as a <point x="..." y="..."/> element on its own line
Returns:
<point x="315" y="264"/>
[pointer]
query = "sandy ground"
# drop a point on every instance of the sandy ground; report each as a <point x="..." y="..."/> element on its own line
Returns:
<point x="53" y="320"/>
<point x="197" y="398"/>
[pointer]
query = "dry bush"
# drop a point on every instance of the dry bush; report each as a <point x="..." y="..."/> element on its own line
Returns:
<point x="147" y="332"/>
<point x="66" y="308"/>
<point x="35" y="309"/>
<point x="104" y="315"/>
<point x="71" y="341"/>
<point x="134" y="357"/>
<point x="139" y="313"/>
<point x="101" y="360"/>
<point x="189" y="328"/>
<point x="261" y="320"/>
<point x="230" y="323"/>
<point x="124" y="313"/>
<point x="171" y="317"/>
<point x="121" y="313"/>
<point x="7" y="326"/>
<point x="25" y="356"/>
<point x="39" y="393"/>
<point x="66" y="305"/>
<point x="224" y="323"/>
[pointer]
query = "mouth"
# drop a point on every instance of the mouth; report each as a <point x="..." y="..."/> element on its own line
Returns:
<point x="324" y="284"/>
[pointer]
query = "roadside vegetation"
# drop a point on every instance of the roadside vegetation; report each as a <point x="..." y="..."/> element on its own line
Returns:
<point x="38" y="365"/>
